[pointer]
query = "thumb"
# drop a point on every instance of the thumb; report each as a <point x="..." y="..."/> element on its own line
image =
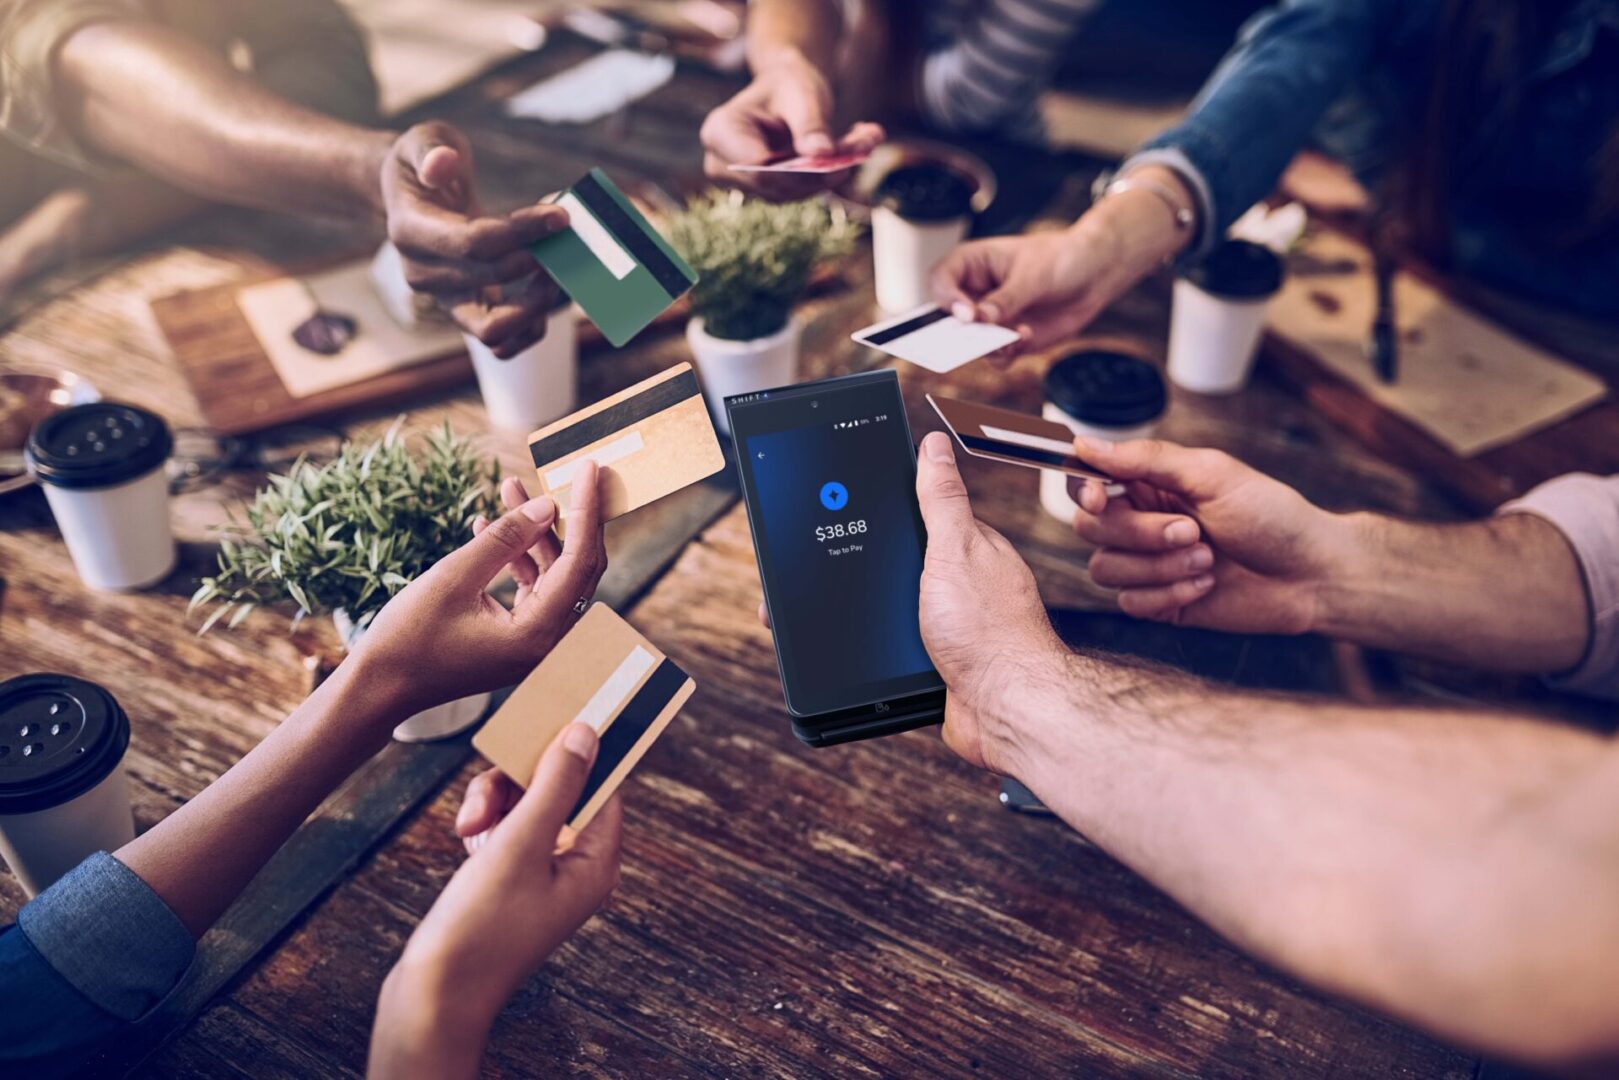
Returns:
<point x="440" y="158"/>
<point x="506" y="539"/>
<point x="1007" y="301"/>
<point x="1165" y="465"/>
<point x="803" y="110"/>
<point x="939" y="489"/>
<point x="559" y="779"/>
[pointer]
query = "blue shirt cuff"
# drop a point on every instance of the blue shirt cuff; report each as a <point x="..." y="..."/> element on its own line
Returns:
<point x="110" y="937"/>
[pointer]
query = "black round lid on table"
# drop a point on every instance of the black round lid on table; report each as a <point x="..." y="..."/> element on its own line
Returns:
<point x="59" y="737"/>
<point x="97" y="445"/>
<point x="1238" y="270"/>
<point x="925" y="191"/>
<point x="1108" y="389"/>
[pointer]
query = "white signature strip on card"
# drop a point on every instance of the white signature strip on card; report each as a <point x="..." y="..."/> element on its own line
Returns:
<point x="596" y="237"/>
<point x="604" y="455"/>
<point x="1033" y="442"/>
<point x="605" y="703"/>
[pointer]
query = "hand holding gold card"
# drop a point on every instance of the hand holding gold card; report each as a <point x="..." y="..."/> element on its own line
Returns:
<point x="605" y="674"/>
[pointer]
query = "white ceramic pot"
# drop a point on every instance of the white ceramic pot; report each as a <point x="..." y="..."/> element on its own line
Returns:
<point x="904" y="253"/>
<point x="536" y="386"/>
<point x="727" y="368"/>
<point x="439" y="722"/>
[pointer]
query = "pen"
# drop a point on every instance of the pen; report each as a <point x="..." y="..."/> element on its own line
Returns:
<point x="1382" y="347"/>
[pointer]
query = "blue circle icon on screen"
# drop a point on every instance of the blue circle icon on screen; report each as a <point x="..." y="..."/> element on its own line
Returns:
<point x="834" y="496"/>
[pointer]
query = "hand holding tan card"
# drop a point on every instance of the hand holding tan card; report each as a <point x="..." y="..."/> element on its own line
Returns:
<point x="649" y="441"/>
<point x="605" y="674"/>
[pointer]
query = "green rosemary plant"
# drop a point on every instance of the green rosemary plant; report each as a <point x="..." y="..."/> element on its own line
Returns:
<point x="754" y="258"/>
<point x="352" y="532"/>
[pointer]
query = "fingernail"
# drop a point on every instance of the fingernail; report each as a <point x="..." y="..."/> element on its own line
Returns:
<point x="1093" y="444"/>
<point x="1180" y="533"/>
<point x="990" y="312"/>
<point x="473" y="807"/>
<point x="540" y="510"/>
<point x="584" y="481"/>
<point x="1203" y="581"/>
<point x="937" y="447"/>
<point x="1199" y="558"/>
<point x="580" y="741"/>
<point x="962" y="310"/>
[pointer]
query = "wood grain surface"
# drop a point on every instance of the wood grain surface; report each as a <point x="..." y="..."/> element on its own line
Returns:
<point x="865" y="910"/>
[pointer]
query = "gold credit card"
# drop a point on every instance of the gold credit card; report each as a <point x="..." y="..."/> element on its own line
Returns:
<point x="650" y="440"/>
<point x="605" y="674"/>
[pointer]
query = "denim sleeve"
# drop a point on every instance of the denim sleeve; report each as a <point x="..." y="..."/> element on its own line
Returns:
<point x="1260" y="105"/>
<point x="88" y="958"/>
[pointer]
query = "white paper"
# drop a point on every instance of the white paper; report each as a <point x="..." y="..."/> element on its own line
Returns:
<point x="596" y="237"/>
<point x="275" y="308"/>
<point x="612" y="694"/>
<point x="588" y="91"/>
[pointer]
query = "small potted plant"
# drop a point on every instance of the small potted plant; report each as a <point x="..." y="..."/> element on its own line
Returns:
<point x="342" y="538"/>
<point x="754" y="260"/>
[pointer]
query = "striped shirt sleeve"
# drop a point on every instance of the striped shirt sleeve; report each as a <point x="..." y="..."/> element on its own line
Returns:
<point x="989" y="75"/>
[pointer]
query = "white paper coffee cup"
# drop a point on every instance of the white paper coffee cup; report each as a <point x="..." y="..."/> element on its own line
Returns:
<point x="63" y="796"/>
<point x="923" y="212"/>
<point x="536" y="386"/>
<point x="1219" y="314"/>
<point x="904" y="254"/>
<point x="1103" y="395"/>
<point x="101" y="467"/>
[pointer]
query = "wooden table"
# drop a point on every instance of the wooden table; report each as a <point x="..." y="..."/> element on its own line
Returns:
<point x="865" y="909"/>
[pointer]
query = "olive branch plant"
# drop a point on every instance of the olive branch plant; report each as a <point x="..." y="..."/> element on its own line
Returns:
<point x="350" y="533"/>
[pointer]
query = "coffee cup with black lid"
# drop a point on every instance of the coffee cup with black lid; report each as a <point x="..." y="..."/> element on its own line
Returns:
<point x="63" y="796"/>
<point x="1219" y="312"/>
<point x="1104" y="395"/>
<point x="101" y="466"/>
<point x="922" y="212"/>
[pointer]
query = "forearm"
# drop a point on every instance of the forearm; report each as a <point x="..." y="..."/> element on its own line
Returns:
<point x="158" y="100"/>
<point x="1418" y="860"/>
<point x="201" y="857"/>
<point x="1503" y="593"/>
<point x="778" y="29"/>
<point x="421" y="1033"/>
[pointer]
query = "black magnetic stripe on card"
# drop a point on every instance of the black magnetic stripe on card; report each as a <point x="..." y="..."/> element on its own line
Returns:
<point x="630" y="724"/>
<point x="909" y="326"/>
<point x="632" y="235"/>
<point x="1026" y="453"/>
<point x="611" y="421"/>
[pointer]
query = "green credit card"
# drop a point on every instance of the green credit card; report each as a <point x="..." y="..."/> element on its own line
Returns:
<point x="614" y="265"/>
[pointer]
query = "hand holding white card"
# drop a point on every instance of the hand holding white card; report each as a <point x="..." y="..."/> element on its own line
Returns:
<point x="932" y="338"/>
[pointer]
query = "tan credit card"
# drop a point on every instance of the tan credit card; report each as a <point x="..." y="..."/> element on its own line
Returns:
<point x="605" y="674"/>
<point x="1015" y="438"/>
<point x="649" y="441"/>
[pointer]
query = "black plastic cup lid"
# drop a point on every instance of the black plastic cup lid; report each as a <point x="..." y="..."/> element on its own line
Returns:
<point x="59" y="737"/>
<point x="1108" y="389"/>
<point x="927" y="192"/>
<point x="1238" y="270"/>
<point x="97" y="445"/>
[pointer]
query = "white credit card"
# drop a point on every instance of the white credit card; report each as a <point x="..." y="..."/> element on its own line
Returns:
<point x="932" y="338"/>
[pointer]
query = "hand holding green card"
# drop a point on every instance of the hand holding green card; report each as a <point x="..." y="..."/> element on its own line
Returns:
<point x="611" y="261"/>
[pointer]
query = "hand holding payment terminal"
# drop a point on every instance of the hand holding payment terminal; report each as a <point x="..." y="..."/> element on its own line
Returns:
<point x="828" y="474"/>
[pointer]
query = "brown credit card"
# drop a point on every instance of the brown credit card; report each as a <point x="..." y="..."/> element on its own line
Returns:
<point x="650" y="440"/>
<point x="605" y="674"/>
<point x="1016" y="439"/>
